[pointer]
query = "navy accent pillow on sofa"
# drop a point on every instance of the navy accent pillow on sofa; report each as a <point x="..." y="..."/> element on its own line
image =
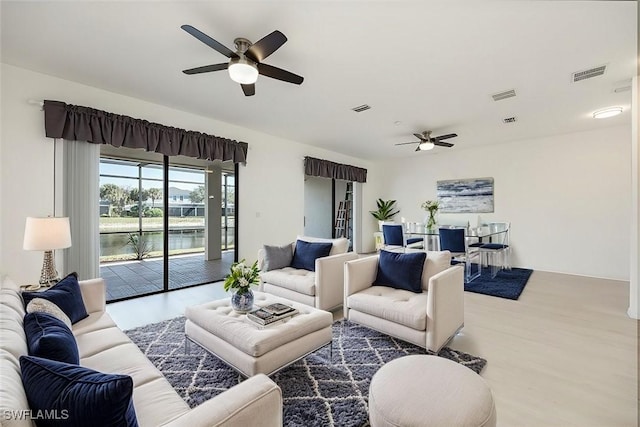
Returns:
<point x="66" y="295"/>
<point x="50" y="338"/>
<point x="401" y="270"/>
<point x="306" y="254"/>
<point x="78" y="396"/>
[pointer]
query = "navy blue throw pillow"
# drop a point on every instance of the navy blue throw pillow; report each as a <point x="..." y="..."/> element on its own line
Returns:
<point x="401" y="270"/>
<point x="77" y="396"/>
<point x="306" y="254"/>
<point x="66" y="295"/>
<point x="50" y="338"/>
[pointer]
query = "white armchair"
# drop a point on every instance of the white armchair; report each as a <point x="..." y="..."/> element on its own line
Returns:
<point x="322" y="288"/>
<point x="428" y="319"/>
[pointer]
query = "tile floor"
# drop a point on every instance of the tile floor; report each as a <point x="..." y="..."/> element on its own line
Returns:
<point x="131" y="278"/>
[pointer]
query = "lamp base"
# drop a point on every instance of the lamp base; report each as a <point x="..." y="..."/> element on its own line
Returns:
<point x="49" y="276"/>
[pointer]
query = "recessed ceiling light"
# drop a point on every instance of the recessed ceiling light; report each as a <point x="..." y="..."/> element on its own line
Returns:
<point x="607" y="112"/>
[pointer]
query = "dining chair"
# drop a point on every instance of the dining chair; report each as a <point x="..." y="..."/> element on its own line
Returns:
<point x="455" y="241"/>
<point x="394" y="236"/>
<point x="498" y="251"/>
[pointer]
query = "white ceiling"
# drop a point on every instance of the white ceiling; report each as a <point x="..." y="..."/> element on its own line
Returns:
<point x="419" y="64"/>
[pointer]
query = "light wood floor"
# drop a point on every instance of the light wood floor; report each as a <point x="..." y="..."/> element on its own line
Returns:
<point x="564" y="354"/>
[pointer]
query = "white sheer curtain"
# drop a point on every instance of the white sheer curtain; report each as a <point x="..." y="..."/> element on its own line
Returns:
<point x="81" y="203"/>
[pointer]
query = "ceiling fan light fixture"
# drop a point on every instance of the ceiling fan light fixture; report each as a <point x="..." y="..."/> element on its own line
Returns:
<point x="243" y="71"/>
<point x="425" y="146"/>
<point x="608" y="112"/>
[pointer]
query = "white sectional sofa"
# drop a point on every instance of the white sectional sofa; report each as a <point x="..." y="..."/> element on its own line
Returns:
<point x="105" y="348"/>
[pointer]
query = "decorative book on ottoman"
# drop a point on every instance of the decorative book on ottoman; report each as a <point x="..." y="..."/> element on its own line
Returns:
<point x="266" y="315"/>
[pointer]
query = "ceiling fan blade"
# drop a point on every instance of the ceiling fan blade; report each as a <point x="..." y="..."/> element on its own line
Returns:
<point x="420" y="137"/>
<point x="265" y="46"/>
<point x="279" y="74"/>
<point x="443" y="144"/>
<point x="447" y="136"/>
<point x="249" y="90"/>
<point x="418" y="148"/>
<point x="206" y="68"/>
<point x="214" y="44"/>
<point x="407" y="143"/>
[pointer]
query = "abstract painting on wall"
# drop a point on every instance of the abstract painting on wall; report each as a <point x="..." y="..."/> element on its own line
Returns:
<point x="466" y="195"/>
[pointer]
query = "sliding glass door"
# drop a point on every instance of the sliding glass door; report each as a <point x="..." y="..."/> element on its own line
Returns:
<point x="164" y="223"/>
<point x="131" y="227"/>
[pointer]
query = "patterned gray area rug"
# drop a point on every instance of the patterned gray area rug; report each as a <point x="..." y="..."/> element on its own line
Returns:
<point x="317" y="391"/>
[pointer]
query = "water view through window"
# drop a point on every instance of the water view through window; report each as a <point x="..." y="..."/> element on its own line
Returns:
<point x="132" y="226"/>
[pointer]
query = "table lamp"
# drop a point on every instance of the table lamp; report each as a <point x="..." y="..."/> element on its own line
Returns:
<point x="47" y="234"/>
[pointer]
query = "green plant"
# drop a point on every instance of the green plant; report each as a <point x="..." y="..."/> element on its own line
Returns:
<point x="154" y="212"/>
<point x="141" y="246"/>
<point x="242" y="277"/>
<point x="385" y="210"/>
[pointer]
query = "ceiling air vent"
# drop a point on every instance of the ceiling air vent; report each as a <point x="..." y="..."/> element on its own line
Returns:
<point x="587" y="74"/>
<point x="510" y="119"/>
<point x="504" y="95"/>
<point x="361" y="108"/>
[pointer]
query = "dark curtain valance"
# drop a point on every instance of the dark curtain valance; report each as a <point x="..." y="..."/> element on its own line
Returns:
<point x="78" y="123"/>
<point x="327" y="169"/>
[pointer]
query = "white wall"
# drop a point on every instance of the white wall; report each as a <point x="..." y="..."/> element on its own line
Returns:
<point x="271" y="186"/>
<point x="568" y="197"/>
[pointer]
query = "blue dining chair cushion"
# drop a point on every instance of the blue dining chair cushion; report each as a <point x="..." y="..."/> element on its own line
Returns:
<point x="452" y="240"/>
<point x="392" y="234"/>
<point x="401" y="271"/>
<point x="66" y="295"/>
<point x="476" y="245"/>
<point x="306" y="254"/>
<point x="494" y="246"/>
<point x="49" y="337"/>
<point x="79" y="396"/>
<point x="411" y="240"/>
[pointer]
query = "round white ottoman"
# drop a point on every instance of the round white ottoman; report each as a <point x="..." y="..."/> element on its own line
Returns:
<point x="425" y="390"/>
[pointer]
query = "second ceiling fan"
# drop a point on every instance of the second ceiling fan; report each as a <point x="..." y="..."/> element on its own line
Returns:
<point x="427" y="142"/>
<point x="246" y="62"/>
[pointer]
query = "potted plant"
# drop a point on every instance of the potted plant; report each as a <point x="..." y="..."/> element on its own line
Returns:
<point x="385" y="211"/>
<point x="239" y="281"/>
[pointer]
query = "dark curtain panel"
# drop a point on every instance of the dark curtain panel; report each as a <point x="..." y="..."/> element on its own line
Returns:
<point x="327" y="169"/>
<point x="78" y="123"/>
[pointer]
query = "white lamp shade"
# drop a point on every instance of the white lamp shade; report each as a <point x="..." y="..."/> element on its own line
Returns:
<point x="45" y="234"/>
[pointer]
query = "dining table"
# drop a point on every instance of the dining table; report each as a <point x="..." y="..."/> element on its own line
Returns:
<point x="431" y="236"/>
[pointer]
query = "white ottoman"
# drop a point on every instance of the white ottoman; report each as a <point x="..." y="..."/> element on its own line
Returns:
<point x="425" y="390"/>
<point x="252" y="349"/>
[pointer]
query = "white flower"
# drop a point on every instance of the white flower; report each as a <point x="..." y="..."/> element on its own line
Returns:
<point x="243" y="282"/>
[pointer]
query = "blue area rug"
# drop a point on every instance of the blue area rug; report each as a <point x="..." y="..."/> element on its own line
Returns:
<point x="318" y="391"/>
<point x="507" y="284"/>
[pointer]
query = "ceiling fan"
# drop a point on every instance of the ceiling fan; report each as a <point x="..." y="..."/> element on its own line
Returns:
<point x="246" y="62"/>
<point x="427" y="142"/>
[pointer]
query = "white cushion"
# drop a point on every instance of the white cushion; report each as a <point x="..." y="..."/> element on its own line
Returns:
<point x="436" y="262"/>
<point x="295" y="279"/>
<point x="396" y="305"/>
<point x="340" y="245"/>
<point x="41" y="305"/>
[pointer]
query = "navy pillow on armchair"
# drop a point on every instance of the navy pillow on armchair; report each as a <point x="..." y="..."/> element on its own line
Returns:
<point x="401" y="270"/>
<point x="306" y="254"/>
<point x="66" y="295"/>
<point x="79" y="396"/>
